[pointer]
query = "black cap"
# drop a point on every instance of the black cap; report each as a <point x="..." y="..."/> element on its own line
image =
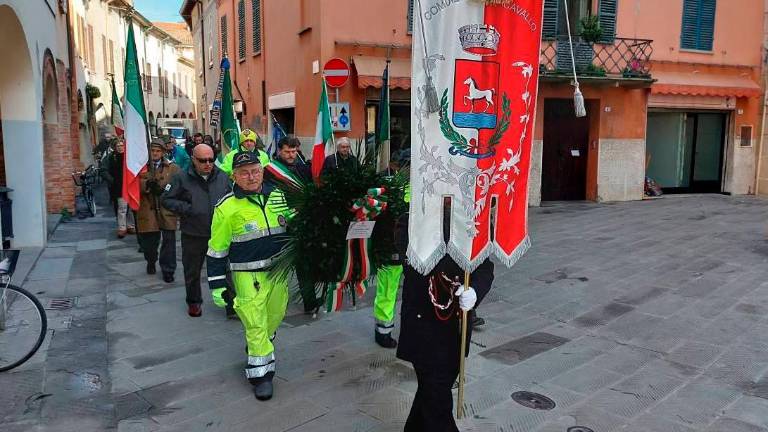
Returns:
<point x="245" y="158"/>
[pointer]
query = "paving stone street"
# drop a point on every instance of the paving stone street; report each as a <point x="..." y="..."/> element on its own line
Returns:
<point x="646" y="316"/>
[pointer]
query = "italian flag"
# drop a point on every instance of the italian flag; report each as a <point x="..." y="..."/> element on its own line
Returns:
<point x="323" y="133"/>
<point x="136" y="138"/>
<point x="117" y="112"/>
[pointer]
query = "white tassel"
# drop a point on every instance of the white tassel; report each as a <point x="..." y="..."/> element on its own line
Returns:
<point x="578" y="102"/>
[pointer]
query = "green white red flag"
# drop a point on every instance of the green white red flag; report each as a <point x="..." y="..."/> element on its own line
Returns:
<point x="323" y="133"/>
<point x="117" y="112"/>
<point x="136" y="133"/>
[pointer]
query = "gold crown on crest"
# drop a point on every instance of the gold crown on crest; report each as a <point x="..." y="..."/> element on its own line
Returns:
<point x="479" y="39"/>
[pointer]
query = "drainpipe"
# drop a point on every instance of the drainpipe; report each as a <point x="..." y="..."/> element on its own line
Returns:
<point x="762" y="130"/>
<point x="205" y="66"/>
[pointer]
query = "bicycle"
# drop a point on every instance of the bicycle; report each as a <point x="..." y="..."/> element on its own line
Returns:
<point x="85" y="180"/>
<point x="23" y="322"/>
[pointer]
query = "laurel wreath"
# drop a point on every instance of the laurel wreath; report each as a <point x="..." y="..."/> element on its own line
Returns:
<point x="458" y="140"/>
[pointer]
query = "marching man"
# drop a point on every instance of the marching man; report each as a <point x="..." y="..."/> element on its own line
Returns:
<point x="247" y="231"/>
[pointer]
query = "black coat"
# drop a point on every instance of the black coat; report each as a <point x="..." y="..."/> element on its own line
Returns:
<point x="335" y="161"/>
<point x="193" y="198"/>
<point x="113" y="174"/>
<point x="424" y="338"/>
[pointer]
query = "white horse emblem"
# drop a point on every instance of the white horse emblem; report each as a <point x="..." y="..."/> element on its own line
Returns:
<point x="475" y="94"/>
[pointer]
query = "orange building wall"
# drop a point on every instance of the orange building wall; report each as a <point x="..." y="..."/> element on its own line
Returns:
<point x="738" y="30"/>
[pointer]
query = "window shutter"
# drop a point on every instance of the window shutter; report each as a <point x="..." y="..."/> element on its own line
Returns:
<point x="698" y="28"/>
<point x="223" y="33"/>
<point x="607" y="17"/>
<point x="549" y="28"/>
<point x="256" y="9"/>
<point x="707" y="24"/>
<point x="241" y="29"/>
<point x="410" y="16"/>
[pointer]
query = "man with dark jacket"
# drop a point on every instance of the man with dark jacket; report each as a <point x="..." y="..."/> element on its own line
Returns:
<point x="342" y="159"/>
<point x="192" y="195"/>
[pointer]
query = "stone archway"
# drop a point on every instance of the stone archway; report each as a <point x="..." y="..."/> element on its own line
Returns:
<point x="20" y="103"/>
<point x="54" y="196"/>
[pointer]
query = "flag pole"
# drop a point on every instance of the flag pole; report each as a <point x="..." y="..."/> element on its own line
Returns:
<point x="460" y="399"/>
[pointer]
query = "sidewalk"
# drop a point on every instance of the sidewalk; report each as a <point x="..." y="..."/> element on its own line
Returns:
<point x="641" y="317"/>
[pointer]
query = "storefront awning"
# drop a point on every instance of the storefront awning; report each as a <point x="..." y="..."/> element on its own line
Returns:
<point x="704" y="84"/>
<point x="369" y="71"/>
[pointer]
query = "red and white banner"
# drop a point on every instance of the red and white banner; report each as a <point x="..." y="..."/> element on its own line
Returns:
<point x="473" y="101"/>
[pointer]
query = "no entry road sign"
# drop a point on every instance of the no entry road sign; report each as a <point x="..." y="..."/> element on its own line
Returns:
<point x="336" y="72"/>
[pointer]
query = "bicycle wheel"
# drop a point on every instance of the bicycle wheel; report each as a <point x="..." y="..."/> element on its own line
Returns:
<point x="22" y="326"/>
<point x="89" y="198"/>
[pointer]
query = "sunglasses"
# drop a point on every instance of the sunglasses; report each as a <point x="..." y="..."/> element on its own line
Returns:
<point x="210" y="161"/>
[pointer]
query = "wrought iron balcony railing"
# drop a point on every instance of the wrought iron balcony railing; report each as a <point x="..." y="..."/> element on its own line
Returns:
<point x="625" y="58"/>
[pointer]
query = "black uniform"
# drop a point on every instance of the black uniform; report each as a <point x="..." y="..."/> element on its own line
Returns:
<point x="193" y="198"/>
<point x="335" y="161"/>
<point x="430" y="340"/>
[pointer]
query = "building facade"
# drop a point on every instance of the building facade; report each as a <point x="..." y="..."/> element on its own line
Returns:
<point x="39" y="112"/>
<point x="202" y="18"/>
<point x="673" y="96"/>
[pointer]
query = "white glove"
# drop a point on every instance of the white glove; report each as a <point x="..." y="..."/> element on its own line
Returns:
<point x="467" y="298"/>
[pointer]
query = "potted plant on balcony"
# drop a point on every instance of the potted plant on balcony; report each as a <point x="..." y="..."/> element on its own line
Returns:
<point x="590" y="29"/>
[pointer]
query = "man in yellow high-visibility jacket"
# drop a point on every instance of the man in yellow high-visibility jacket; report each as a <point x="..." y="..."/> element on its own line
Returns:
<point x="248" y="143"/>
<point x="247" y="231"/>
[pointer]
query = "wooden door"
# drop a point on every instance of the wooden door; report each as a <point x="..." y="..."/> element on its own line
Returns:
<point x="566" y="143"/>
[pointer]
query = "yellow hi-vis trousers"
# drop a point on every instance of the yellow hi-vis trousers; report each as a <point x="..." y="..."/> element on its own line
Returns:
<point x="260" y="304"/>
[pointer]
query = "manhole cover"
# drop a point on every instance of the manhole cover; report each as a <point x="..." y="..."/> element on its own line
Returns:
<point x="533" y="400"/>
<point x="61" y="303"/>
<point x="579" y="429"/>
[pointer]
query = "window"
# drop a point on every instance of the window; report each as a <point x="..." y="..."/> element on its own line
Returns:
<point x="111" y="54"/>
<point x="410" y="16"/>
<point x="746" y="136"/>
<point x="91" y="48"/>
<point x="698" y="24"/>
<point x="241" y="29"/>
<point x="554" y="24"/>
<point x="104" y="54"/>
<point x="175" y="93"/>
<point x="223" y="33"/>
<point x="148" y="77"/>
<point x="160" y="80"/>
<point x="256" y="11"/>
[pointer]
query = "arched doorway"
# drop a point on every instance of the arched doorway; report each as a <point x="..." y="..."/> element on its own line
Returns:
<point x="62" y="196"/>
<point x="183" y="115"/>
<point x="22" y="134"/>
<point x="175" y="116"/>
<point x="191" y="115"/>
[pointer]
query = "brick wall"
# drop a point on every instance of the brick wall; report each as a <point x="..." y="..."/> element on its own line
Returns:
<point x="60" y="143"/>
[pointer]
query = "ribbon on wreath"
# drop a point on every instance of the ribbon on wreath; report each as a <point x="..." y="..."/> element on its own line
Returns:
<point x="365" y="209"/>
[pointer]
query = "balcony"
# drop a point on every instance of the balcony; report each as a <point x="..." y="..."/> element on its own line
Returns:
<point x="625" y="60"/>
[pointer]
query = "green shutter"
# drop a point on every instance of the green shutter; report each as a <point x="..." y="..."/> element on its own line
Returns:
<point x="256" y="9"/>
<point x="241" y="29"/>
<point x="549" y="28"/>
<point x="698" y="28"/>
<point x="607" y="17"/>
<point x="223" y="33"/>
<point x="410" y="16"/>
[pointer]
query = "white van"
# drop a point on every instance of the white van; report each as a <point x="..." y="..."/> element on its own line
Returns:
<point x="179" y="129"/>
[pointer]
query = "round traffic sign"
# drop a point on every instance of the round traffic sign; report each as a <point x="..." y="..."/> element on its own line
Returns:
<point x="336" y="72"/>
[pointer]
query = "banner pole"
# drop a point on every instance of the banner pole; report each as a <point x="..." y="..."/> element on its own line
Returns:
<point x="460" y="401"/>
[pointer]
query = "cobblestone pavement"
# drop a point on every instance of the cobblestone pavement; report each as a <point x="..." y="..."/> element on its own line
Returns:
<point x="641" y="317"/>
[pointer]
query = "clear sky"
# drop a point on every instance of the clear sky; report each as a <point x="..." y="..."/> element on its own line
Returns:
<point x="159" y="10"/>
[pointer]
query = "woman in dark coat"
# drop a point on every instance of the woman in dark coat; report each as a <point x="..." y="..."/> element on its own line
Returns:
<point x="430" y="336"/>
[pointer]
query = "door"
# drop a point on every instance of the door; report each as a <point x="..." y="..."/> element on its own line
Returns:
<point x="708" y="152"/>
<point x="564" y="161"/>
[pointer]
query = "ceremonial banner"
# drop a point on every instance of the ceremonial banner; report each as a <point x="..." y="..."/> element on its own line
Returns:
<point x="117" y="111"/>
<point x="323" y="133"/>
<point x="473" y="101"/>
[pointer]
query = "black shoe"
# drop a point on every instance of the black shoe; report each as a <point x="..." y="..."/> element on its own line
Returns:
<point x="385" y="340"/>
<point x="167" y="277"/>
<point x="263" y="391"/>
<point x="151" y="268"/>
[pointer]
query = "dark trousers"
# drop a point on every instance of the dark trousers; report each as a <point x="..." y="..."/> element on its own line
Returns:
<point x="193" y="250"/>
<point x="432" y="409"/>
<point x="149" y="241"/>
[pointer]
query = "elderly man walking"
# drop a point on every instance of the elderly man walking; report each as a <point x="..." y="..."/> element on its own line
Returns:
<point x="153" y="221"/>
<point x="192" y="195"/>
